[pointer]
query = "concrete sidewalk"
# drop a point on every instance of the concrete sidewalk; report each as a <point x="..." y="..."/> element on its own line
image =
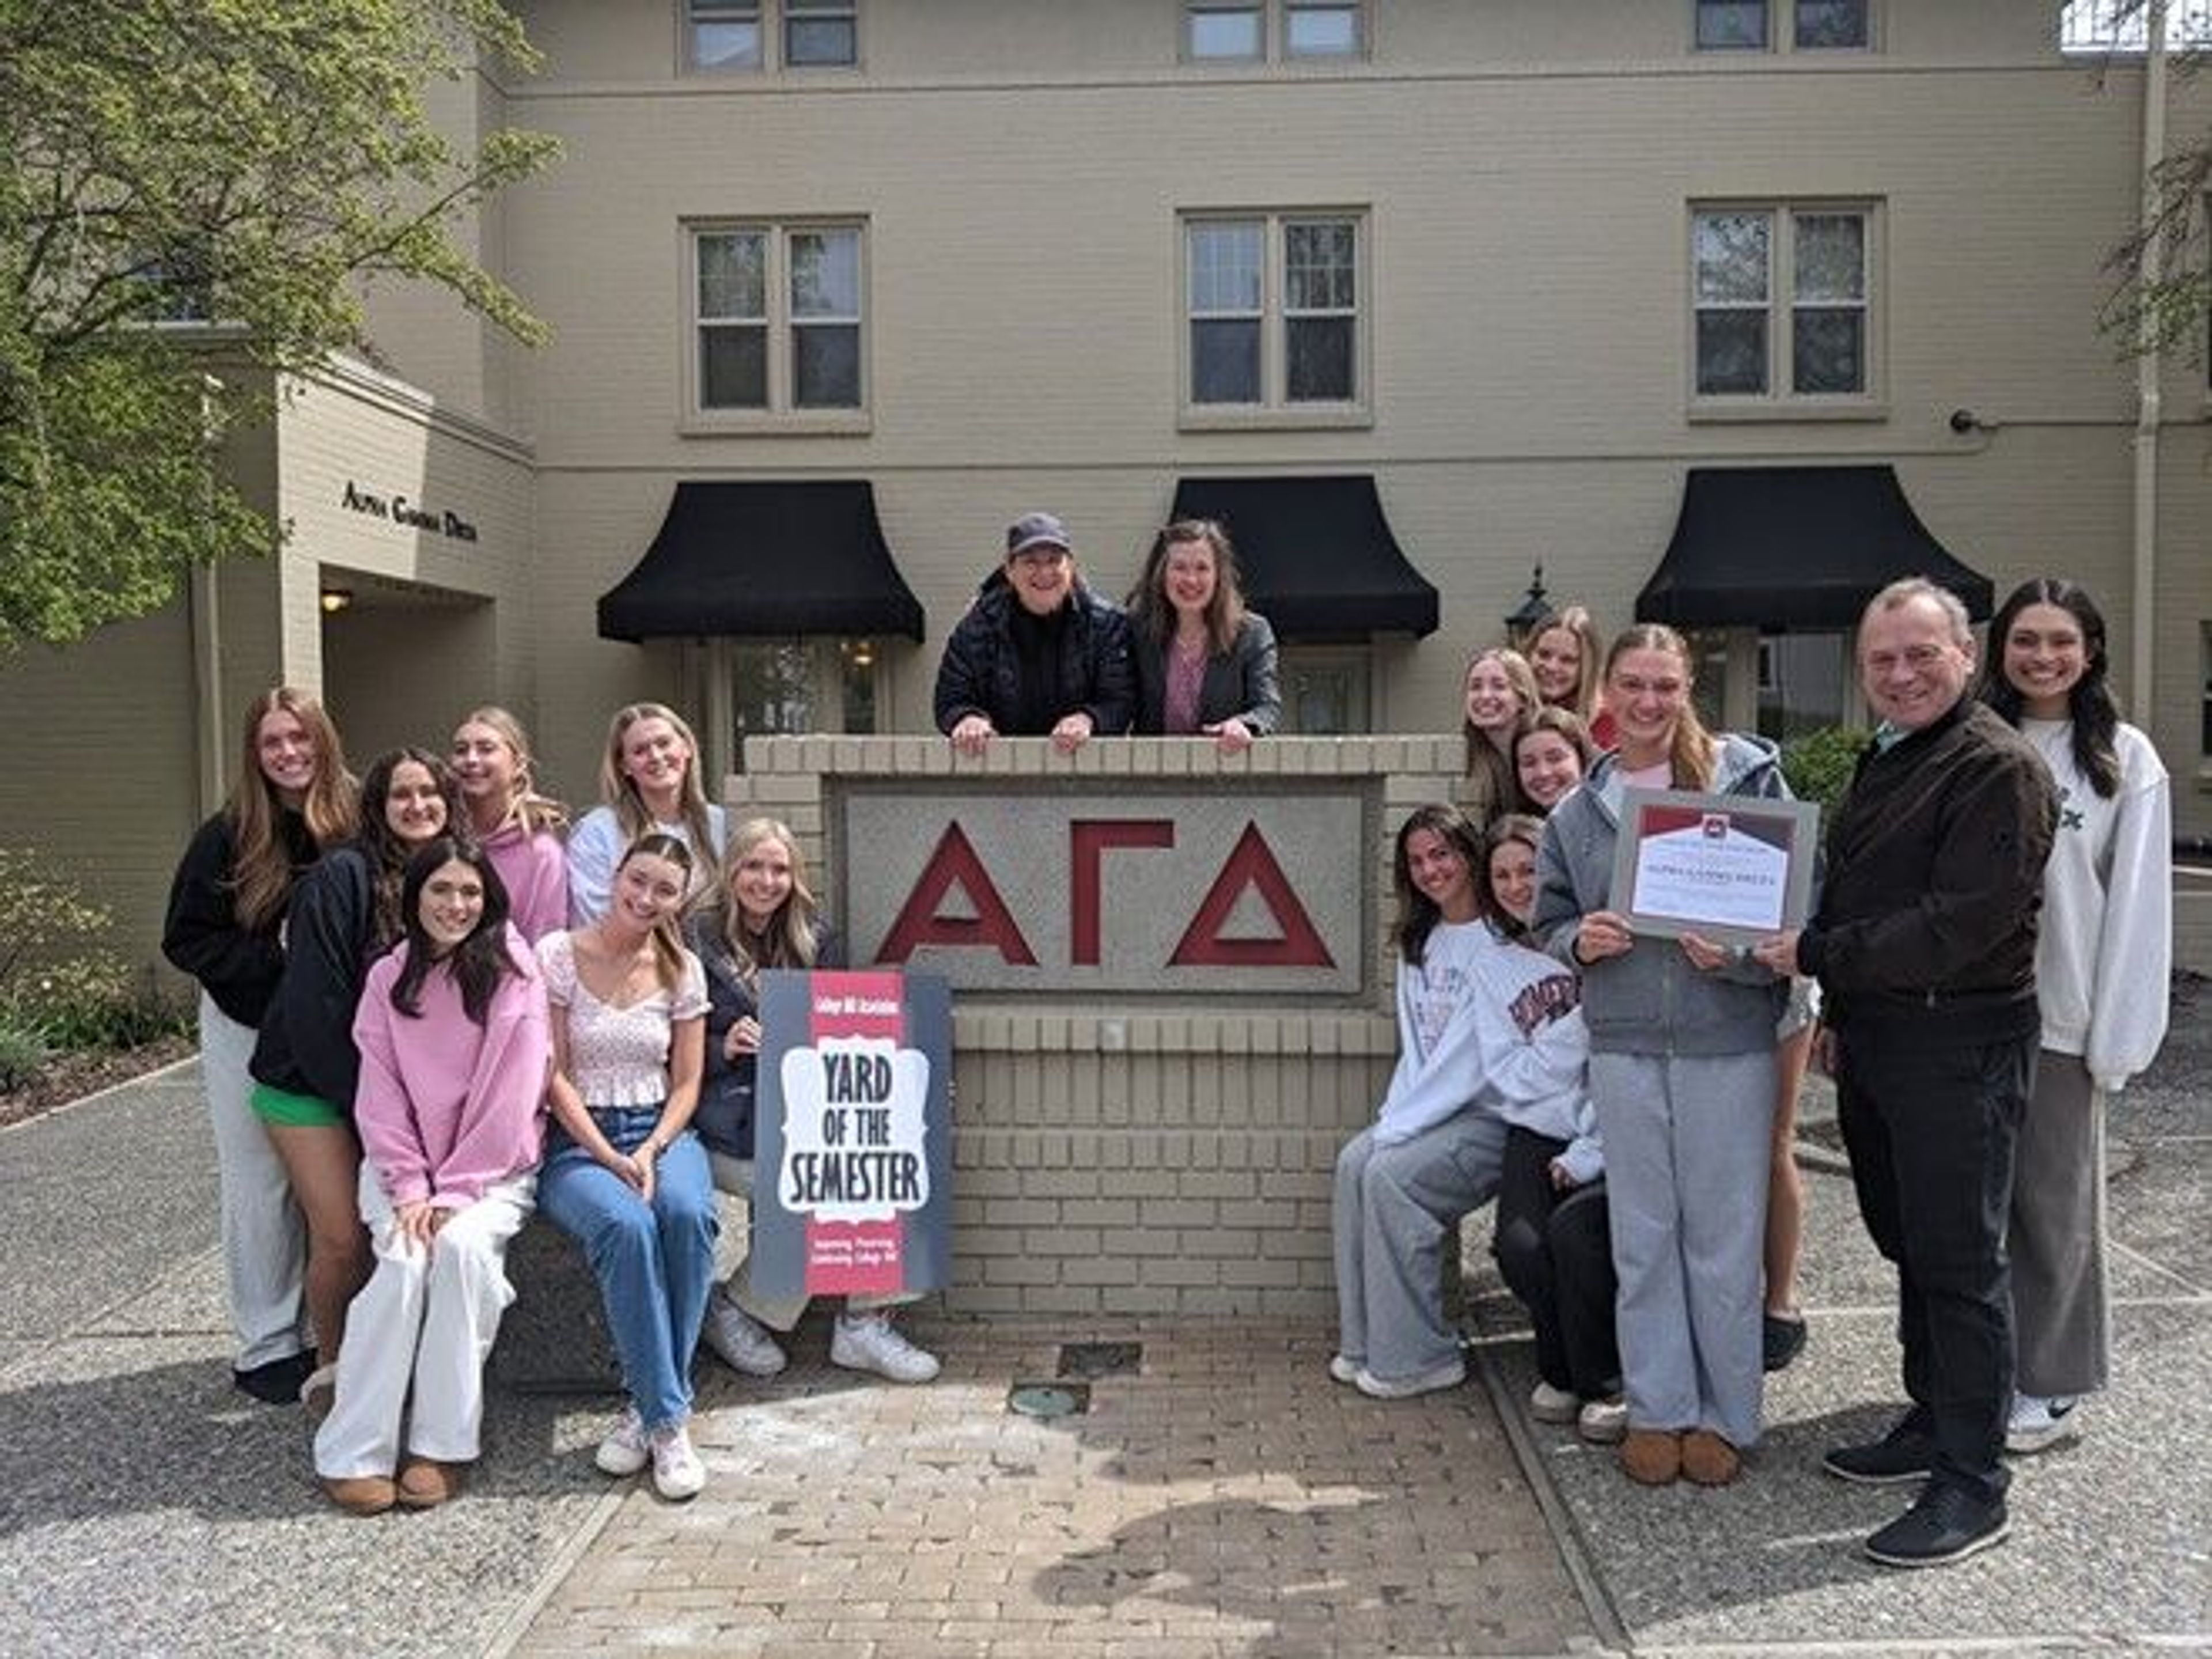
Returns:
<point x="1221" y="1498"/>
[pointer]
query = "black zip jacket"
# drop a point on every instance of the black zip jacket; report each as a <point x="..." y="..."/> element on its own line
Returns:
<point x="237" y="965"/>
<point x="725" y="1117"/>
<point x="306" y="1046"/>
<point x="1926" y="925"/>
<point x="980" y="672"/>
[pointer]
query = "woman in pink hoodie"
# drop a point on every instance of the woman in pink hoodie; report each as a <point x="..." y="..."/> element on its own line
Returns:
<point x="518" y="826"/>
<point x="455" y="1050"/>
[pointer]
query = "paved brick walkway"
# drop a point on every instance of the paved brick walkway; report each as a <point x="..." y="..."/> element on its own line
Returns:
<point x="1227" y="1499"/>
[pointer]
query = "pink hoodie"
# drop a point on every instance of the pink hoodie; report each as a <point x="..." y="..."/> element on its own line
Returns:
<point x="445" y="1107"/>
<point x="534" y="870"/>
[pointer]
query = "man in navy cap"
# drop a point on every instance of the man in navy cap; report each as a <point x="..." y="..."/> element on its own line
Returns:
<point x="1038" y="654"/>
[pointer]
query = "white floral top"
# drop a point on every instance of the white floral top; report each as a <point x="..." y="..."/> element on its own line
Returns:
<point x="618" y="1056"/>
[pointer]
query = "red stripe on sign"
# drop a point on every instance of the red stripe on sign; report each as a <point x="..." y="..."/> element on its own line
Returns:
<point x="856" y="1005"/>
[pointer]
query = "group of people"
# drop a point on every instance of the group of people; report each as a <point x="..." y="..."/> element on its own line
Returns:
<point x="429" y="1004"/>
<point x="1990" y="944"/>
<point x="428" y="1007"/>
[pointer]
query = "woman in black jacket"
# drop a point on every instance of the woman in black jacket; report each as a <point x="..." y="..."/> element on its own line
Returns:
<point x="293" y="798"/>
<point x="1038" y="654"/>
<point x="767" y="918"/>
<point x="1205" y="665"/>
<point x="345" y="915"/>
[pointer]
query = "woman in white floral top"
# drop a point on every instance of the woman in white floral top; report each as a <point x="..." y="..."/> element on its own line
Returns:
<point x="623" y="1174"/>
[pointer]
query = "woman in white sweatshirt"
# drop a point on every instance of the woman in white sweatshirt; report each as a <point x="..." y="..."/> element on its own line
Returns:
<point x="2102" y="962"/>
<point x="1435" y="1147"/>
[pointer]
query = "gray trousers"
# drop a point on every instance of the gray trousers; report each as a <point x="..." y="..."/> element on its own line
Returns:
<point x="265" y="1242"/>
<point x="1396" y="1206"/>
<point x="2062" y="1325"/>
<point x="734" y="1176"/>
<point x="1686" y="1165"/>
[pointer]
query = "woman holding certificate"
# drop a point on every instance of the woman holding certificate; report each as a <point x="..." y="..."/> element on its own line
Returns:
<point x="1682" y="1070"/>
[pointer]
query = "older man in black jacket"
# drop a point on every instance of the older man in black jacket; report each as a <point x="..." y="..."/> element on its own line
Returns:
<point x="1925" y="942"/>
<point x="1039" y="656"/>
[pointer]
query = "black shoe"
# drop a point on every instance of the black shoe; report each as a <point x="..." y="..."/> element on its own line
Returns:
<point x="1947" y="1523"/>
<point x="277" y="1382"/>
<point x="1781" y="1340"/>
<point x="1907" y="1452"/>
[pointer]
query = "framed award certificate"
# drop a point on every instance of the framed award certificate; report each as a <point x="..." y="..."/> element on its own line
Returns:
<point x="1732" y="868"/>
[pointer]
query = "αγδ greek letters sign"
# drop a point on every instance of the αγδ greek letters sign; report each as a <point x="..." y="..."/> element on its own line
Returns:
<point x="852" y="1184"/>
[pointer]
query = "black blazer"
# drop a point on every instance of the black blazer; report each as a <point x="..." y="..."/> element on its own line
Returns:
<point x="1242" y="684"/>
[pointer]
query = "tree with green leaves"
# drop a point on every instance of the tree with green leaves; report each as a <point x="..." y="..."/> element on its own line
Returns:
<point x="242" y="163"/>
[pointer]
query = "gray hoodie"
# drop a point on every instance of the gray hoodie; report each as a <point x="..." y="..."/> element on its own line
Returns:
<point x="1651" y="1000"/>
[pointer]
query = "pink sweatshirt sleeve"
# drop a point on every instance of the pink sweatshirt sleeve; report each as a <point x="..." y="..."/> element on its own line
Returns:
<point x="383" y="1114"/>
<point x="501" y="1128"/>
<point x="541" y="904"/>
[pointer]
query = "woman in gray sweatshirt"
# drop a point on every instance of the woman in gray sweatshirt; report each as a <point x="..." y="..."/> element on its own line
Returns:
<point x="1682" y="1070"/>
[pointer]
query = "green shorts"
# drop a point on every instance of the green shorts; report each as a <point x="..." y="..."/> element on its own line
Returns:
<point x="290" y="1111"/>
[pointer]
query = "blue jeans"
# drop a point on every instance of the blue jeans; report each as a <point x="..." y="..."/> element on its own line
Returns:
<point x="655" y="1264"/>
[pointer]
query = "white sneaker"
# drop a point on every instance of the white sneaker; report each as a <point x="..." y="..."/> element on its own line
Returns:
<point x="739" y="1340"/>
<point x="870" y="1342"/>
<point x="677" y="1474"/>
<point x="1603" y="1422"/>
<point x="1549" y="1404"/>
<point x="1449" y="1375"/>
<point x="623" y="1451"/>
<point x="1344" y="1369"/>
<point x="2036" y="1425"/>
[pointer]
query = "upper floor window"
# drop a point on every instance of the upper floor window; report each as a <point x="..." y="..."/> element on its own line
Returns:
<point x="1796" y="25"/>
<point x="1220" y="31"/>
<point x="2125" y="25"/>
<point x="1273" y="311"/>
<point x="778" y="316"/>
<point x="1783" y="301"/>
<point x="740" y="34"/>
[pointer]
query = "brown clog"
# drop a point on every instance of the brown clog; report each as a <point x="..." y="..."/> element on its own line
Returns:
<point x="425" y="1483"/>
<point x="361" y="1494"/>
<point x="1651" y="1457"/>
<point x="1708" y="1459"/>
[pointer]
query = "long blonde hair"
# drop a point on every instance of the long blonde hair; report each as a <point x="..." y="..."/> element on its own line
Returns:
<point x="261" y="874"/>
<point x="618" y="790"/>
<point x="1575" y="619"/>
<point x="1492" y="787"/>
<point x="667" y="936"/>
<point x="792" y="937"/>
<point x="526" y="807"/>
<point x="1690" y="757"/>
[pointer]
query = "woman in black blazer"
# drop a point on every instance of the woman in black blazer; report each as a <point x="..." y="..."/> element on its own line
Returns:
<point x="1205" y="665"/>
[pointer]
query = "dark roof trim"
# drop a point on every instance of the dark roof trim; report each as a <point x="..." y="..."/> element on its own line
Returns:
<point x="1318" y="558"/>
<point x="767" y="557"/>
<point x="1795" y="548"/>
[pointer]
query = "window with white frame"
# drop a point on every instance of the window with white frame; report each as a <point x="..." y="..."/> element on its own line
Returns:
<point x="778" y="314"/>
<point x="751" y="34"/>
<point x="1222" y="31"/>
<point x="1326" y="689"/>
<point x="1782" y="302"/>
<point x="1791" y="25"/>
<point x="1272" y="303"/>
<point x="2123" y="26"/>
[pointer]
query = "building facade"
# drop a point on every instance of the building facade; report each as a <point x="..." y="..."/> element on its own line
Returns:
<point x="1502" y="276"/>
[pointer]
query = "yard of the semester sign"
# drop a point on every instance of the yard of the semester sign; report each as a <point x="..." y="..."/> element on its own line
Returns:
<point x="853" y="1163"/>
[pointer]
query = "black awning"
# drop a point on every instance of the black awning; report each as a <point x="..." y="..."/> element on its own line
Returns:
<point x="766" y="557"/>
<point x="1795" y="548"/>
<point x="1317" y="554"/>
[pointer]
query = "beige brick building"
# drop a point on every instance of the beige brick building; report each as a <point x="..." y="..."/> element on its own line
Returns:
<point x="1524" y="265"/>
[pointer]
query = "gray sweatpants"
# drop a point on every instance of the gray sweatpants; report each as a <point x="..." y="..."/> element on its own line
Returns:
<point x="1394" y="1207"/>
<point x="1685" y="1166"/>
<point x="2060" y="1322"/>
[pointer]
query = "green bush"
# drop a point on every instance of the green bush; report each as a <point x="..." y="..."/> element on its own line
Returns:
<point x="23" y="1050"/>
<point x="1819" y="765"/>
<point x="93" y="1001"/>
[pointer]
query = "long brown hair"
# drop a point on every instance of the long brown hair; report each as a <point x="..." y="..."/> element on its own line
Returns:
<point x="526" y="807"/>
<point x="261" y="874"/>
<point x="387" y="854"/>
<point x="620" y="790"/>
<point x="1418" y="914"/>
<point x="1690" y="757"/>
<point x="1153" y="613"/>
<point x="668" y="951"/>
<point x="1525" y="827"/>
<point x="792" y="937"/>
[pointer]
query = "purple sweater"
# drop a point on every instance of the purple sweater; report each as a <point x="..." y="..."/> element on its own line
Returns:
<point x="447" y="1106"/>
<point x="534" y="869"/>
